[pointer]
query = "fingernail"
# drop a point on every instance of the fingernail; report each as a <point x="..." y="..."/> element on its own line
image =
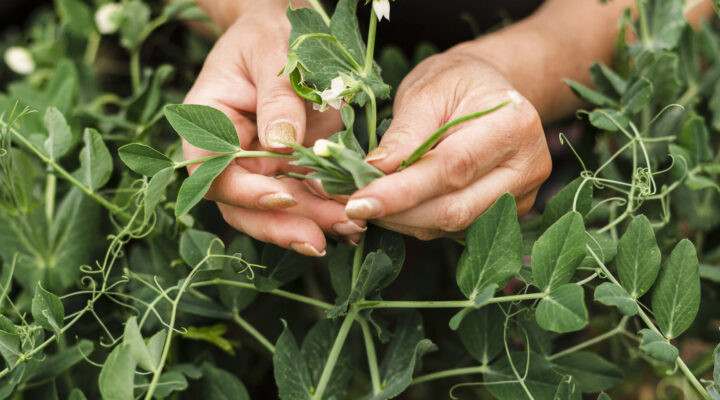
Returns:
<point x="353" y="240"/>
<point x="307" y="249"/>
<point x="378" y="153"/>
<point x="278" y="133"/>
<point x="348" y="228"/>
<point x="277" y="200"/>
<point x="363" y="208"/>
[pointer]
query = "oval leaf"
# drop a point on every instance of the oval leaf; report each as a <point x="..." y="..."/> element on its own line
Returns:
<point x="563" y="310"/>
<point x="204" y="127"/>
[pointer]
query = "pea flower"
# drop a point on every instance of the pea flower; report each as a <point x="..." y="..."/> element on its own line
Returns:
<point x="333" y="96"/>
<point x="382" y="9"/>
<point x="108" y="17"/>
<point x="19" y="60"/>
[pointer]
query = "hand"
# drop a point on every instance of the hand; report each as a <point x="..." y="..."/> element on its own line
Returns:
<point x="240" y="78"/>
<point x="474" y="164"/>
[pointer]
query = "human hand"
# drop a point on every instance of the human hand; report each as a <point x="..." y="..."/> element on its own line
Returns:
<point x="240" y="78"/>
<point x="474" y="164"/>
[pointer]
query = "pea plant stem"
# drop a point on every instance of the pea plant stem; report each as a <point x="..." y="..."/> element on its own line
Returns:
<point x="371" y="355"/>
<point x="370" y="51"/>
<point x="253" y="332"/>
<point x="620" y="328"/>
<point x="277" y="292"/>
<point x="446" y="304"/>
<point x="450" y="373"/>
<point x="63" y="173"/>
<point x="651" y="325"/>
<point x="334" y="354"/>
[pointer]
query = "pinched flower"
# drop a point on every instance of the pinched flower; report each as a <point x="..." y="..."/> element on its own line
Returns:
<point x="382" y="9"/>
<point x="108" y="18"/>
<point x="322" y="147"/>
<point x="333" y="96"/>
<point x="19" y="60"/>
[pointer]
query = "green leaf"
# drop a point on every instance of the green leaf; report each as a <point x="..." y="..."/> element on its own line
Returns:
<point x="96" y="164"/>
<point x="59" y="139"/>
<point x="494" y="249"/>
<point x="611" y="294"/>
<point x="9" y="348"/>
<point x="169" y="382"/>
<point x="194" y="187"/>
<point x="666" y="22"/>
<point x="344" y="27"/>
<point x="218" y="384"/>
<point x="676" y="298"/>
<point x="716" y="367"/>
<point x="604" y="247"/>
<point x="76" y="17"/>
<point x="608" y="119"/>
<point x="134" y="341"/>
<point x="563" y="310"/>
<point x="591" y="372"/>
<point x="292" y="375"/>
<point x="144" y="159"/>
<point x="657" y="346"/>
<point x="607" y="81"/>
<point x="558" y="252"/>
<point x="156" y="190"/>
<point x="638" y="258"/>
<point x="136" y="18"/>
<point x="204" y="127"/>
<point x="637" y="96"/>
<point x="117" y="377"/>
<point x="196" y="245"/>
<point x="315" y="350"/>
<point x="403" y="355"/>
<point x="695" y="138"/>
<point x="283" y="266"/>
<point x="361" y="172"/>
<point x="376" y="272"/>
<point x="213" y="334"/>
<point x="590" y="95"/>
<point x="481" y="332"/>
<point x="567" y="389"/>
<point x="47" y="310"/>
<point x="155" y="346"/>
<point x="77" y="394"/>
<point x="563" y="201"/>
<point x="541" y="380"/>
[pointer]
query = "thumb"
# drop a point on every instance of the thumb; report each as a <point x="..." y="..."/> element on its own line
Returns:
<point x="415" y="120"/>
<point x="280" y="112"/>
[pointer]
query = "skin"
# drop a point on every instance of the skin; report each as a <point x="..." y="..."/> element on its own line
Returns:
<point x="461" y="177"/>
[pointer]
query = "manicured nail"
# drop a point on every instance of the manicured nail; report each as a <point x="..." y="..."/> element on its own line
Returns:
<point x="280" y="132"/>
<point x="348" y="228"/>
<point x="277" y="200"/>
<point x="378" y="153"/>
<point x="307" y="249"/>
<point x="363" y="208"/>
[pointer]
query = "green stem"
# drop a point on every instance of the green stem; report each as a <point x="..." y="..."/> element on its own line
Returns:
<point x="370" y="51"/>
<point x="276" y="292"/>
<point x="93" y="43"/>
<point x="372" y="357"/>
<point x="135" y="70"/>
<point x="320" y="10"/>
<point x="50" y="188"/>
<point x="64" y="174"/>
<point x="334" y="354"/>
<point x="357" y="259"/>
<point x="371" y="117"/>
<point x="620" y="328"/>
<point x="450" y="372"/>
<point x="445" y="304"/>
<point x="254" y="332"/>
<point x="646" y="319"/>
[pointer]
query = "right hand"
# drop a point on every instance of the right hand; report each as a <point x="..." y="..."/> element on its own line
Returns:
<point x="240" y="78"/>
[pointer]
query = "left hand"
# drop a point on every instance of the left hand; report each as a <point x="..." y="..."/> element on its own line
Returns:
<point x="474" y="164"/>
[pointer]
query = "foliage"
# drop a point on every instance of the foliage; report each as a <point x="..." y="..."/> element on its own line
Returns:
<point x="117" y="282"/>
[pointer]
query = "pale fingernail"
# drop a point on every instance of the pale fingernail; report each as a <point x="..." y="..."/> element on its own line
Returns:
<point x="378" y="153"/>
<point x="278" y="133"/>
<point x="307" y="249"/>
<point x="363" y="208"/>
<point x="277" y="200"/>
<point x="348" y="228"/>
<point x="353" y="240"/>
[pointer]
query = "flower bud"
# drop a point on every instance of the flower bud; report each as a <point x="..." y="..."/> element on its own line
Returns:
<point x="108" y="17"/>
<point x="19" y="60"/>
<point x="322" y="147"/>
<point x="382" y="9"/>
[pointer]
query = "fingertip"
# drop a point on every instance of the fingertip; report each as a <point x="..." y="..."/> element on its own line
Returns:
<point x="278" y="133"/>
<point x="308" y="249"/>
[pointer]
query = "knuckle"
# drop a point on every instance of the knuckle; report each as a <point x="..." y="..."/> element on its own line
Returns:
<point x="526" y="204"/>
<point x="458" y="169"/>
<point x="276" y="98"/>
<point x="455" y="217"/>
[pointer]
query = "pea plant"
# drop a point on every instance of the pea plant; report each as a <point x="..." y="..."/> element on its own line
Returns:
<point x="118" y="282"/>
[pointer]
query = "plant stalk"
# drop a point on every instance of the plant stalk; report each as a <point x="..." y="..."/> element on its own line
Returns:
<point x="334" y="354"/>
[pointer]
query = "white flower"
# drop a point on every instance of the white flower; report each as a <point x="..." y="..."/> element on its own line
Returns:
<point x="322" y="147"/>
<point x="382" y="9"/>
<point x="333" y="96"/>
<point x="108" y="17"/>
<point x="19" y="60"/>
